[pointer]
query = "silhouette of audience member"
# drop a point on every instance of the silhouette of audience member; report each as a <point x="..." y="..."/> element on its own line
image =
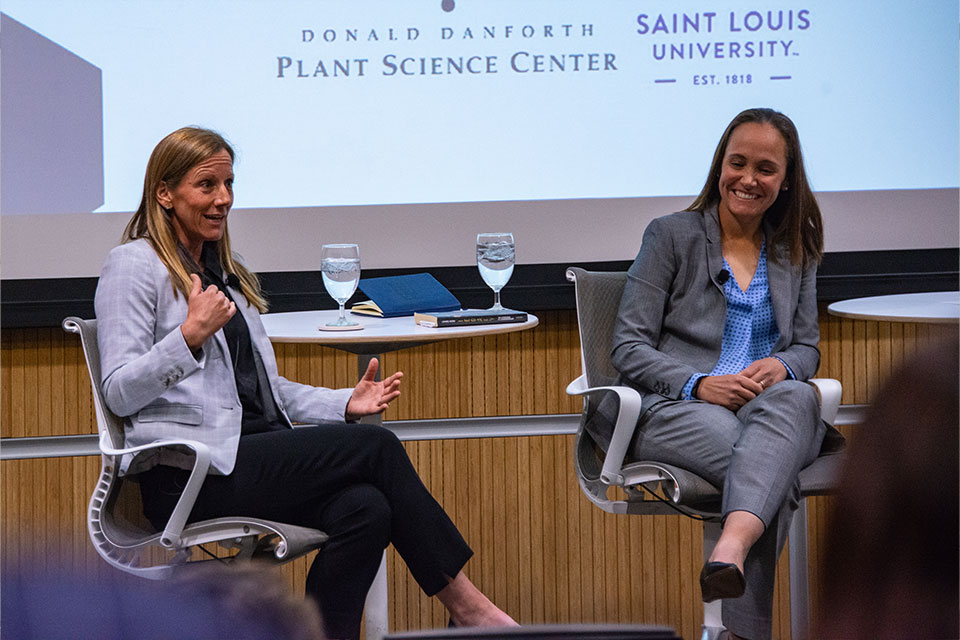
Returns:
<point x="239" y="601"/>
<point x="892" y="552"/>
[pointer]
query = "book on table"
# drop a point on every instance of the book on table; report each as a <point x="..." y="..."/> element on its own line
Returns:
<point x="465" y="317"/>
<point x="395" y="296"/>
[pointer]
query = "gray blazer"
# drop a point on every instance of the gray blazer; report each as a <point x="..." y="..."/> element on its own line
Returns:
<point x="151" y="378"/>
<point x="672" y="314"/>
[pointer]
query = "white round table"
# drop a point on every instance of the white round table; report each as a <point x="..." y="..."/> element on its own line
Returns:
<point x="378" y="335"/>
<point x="940" y="307"/>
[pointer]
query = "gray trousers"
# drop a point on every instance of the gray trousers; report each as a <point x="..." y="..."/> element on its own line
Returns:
<point x="754" y="456"/>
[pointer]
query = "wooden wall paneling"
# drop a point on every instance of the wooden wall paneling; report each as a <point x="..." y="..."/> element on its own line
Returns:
<point x="861" y="380"/>
<point x="538" y="372"/>
<point x="43" y="409"/>
<point x="58" y="391"/>
<point x="533" y="606"/>
<point x="896" y="345"/>
<point x="553" y="514"/>
<point x="884" y="355"/>
<point x="673" y="561"/>
<point x="474" y="531"/>
<point x="86" y="414"/>
<point x="7" y="348"/>
<point x="643" y="565"/>
<point x="448" y="495"/>
<point x="440" y="478"/>
<point x="595" y="543"/>
<point x="418" y="377"/>
<point x="527" y="372"/>
<point x="419" y="609"/>
<point x="517" y="509"/>
<point x="633" y="571"/>
<point x="77" y="396"/>
<point x="485" y="533"/>
<point x="691" y="608"/>
<point x="566" y="530"/>
<point x="551" y="383"/>
<point x="14" y="425"/>
<point x="501" y="504"/>
<point x="476" y="393"/>
<point x="781" y="597"/>
<point x="847" y="371"/>
<point x="872" y="358"/>
<point x="500" y="565"/>
<point x="830" y="345"/>
<point x="909" y="340"/>
<point x="623" y="571"/>
<point x="571" y="404"/>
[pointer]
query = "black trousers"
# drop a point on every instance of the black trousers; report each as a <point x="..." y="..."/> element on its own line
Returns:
<point x="356" y="483"/>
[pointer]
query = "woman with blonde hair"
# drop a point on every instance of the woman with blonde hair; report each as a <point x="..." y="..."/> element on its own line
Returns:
<point x="185" y="355"/>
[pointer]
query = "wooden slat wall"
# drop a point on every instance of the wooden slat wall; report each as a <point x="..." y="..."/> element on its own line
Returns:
<point x="543" y="552"/>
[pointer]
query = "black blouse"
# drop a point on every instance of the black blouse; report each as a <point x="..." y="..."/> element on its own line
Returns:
<point x="237" y="333"/>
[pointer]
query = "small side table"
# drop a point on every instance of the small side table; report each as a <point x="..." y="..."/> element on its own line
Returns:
<point x="940" y="307"/>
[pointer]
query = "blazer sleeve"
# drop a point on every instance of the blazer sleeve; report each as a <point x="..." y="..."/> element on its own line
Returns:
<point x="137" y="366"/>
<point x="802" y="354"/>
<point x="313" y="405"/>
<point x="636" y="350"/>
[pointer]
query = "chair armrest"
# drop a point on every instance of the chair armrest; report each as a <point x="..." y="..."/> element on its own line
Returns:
<point x="626" y="424"/>
<point x="830" y="392"/>
<point x="178" y="519"/>
<point x="577" y="386"/>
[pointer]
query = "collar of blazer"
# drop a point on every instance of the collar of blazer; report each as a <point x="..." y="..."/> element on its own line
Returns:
<point x="782" y="275"/>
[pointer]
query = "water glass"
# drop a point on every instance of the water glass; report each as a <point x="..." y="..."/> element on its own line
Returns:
<point x="340" y="265"/>
<point x="496" y="255"/>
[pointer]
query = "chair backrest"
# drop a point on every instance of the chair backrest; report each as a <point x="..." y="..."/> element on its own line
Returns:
<point x="598" y="296"/>
<point x="108" y="425"/>
<point x="115" y="514"/>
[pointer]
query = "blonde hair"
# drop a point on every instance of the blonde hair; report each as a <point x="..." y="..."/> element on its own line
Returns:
<point x="171" y="160"/>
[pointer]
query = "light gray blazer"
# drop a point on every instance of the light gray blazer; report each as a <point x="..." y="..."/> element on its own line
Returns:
<point x="672" y="314"/>
<point x="151" y="378"/>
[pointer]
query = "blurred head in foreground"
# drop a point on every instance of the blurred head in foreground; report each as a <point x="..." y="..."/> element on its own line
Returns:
<point x="892" y="561"/>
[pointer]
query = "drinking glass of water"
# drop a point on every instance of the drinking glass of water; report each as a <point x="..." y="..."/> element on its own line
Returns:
<point x="340" y="265"/>
<point x="495" y="258"/>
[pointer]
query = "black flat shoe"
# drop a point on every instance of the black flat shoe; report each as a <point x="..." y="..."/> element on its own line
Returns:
<point x="721" y="580"/>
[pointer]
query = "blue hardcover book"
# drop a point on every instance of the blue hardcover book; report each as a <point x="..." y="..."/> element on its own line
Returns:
<point x="393" y="296"/>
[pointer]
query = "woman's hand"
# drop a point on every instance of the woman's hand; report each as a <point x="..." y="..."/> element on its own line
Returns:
<point x="371" y="396"/>
<point x="729" y="391"/>
<point x="766" y="371"/>
<point x="207" y="311"/>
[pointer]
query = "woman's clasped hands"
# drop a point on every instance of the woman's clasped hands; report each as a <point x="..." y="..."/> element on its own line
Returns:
<point x="734" y="390"/>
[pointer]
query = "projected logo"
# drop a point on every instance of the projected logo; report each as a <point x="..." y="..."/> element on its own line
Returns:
<point x="729" y="47"/>
<point x="503" y="43"/>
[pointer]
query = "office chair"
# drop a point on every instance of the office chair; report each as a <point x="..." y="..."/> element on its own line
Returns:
<point x="598" y="300"/>
<point x="124" y="537"/>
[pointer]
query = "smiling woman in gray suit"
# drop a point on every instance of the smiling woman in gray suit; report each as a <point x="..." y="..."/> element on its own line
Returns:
<point x="718" y="330"/>
<point x="185" y="355"/>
